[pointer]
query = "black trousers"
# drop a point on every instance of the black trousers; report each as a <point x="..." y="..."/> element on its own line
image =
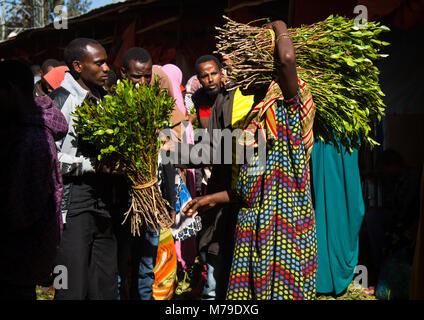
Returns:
<point x="89" y="252"/>
<point x="88" y="248"/>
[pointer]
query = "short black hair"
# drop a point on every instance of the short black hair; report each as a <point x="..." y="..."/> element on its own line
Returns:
<point x="35" y="68"/>
<point x="76" y="50"/>
<point x="18" y="74"/>
<point x="111" y="78"/>
<point x="206" y="58"/>
<point x="138" y="54"/>
<point x="49" y="63"/>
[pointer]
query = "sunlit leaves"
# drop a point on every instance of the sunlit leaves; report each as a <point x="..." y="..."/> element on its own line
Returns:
<point x="333" y="57"/>
<point x="124" y="125"/>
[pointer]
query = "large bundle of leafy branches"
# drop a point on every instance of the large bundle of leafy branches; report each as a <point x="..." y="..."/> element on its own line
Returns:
<point x="124" y="129"/>
<point x="334" y="57"/>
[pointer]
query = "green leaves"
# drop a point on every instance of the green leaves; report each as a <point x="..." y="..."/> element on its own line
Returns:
<point x="336" y="61"/>
<point x="124" y="125"/>
<point x="99" y="132"/>
<point x="123" y="129"/>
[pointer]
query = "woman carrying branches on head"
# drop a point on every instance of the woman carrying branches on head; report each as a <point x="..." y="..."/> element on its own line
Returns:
<point x="275" y="242"/>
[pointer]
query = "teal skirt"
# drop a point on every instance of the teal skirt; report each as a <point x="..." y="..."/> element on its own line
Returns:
<point x="339" y="211"/>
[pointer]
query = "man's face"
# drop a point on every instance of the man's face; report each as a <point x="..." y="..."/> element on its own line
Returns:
<point x="138" y="72"/>
<point x="93" y="68"/>
<point x="210" y="77"/>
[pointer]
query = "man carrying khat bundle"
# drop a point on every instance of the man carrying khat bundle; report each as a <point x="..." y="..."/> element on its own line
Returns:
<point x="275" y="243"/>
<point x="138" y="68"/>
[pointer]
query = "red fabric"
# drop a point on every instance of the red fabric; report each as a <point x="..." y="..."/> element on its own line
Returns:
<point x="55" y="76"/>
<point x="204" y="111"/>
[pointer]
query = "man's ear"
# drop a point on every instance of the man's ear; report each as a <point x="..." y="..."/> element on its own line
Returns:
<point x="123" y="73"/>
<point x="77" y="65"/>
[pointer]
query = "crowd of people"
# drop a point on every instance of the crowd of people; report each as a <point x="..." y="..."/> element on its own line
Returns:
<point x="62" y="207"/>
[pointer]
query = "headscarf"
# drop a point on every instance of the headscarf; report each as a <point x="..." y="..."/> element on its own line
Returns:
<point x="175" y="74"/>
<point x="55" y="76"/>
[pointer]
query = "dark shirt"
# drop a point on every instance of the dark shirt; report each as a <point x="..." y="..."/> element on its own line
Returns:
<point x="203" y="105"/>
<point x="218" y="223"/>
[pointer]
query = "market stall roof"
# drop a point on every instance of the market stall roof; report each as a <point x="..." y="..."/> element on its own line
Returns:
<point x="34" y="45"/>
<point x="96" y="21"/>
<point x="172" y="31"/>
<point x="95" y="13"/>
<point x="93" y="22"/>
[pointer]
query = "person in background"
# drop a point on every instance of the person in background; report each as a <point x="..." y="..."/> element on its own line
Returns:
<point x="111" y="81"/>
<point x="416" y="291"/>
<point x="42" y="87"/>
<point x="400" y="214"/>
<point x="36" y="71"/>
<point x="137" y="67"/>
<point x="54" y="77"/>
<point x="209" y="74"/>
<point x="186" y="250"/>
<point x="48" y="65"/>
<point x="88" y="248"/>
<point x="31" y="184"/>
<point x="193" y="84"/>
<point x="215" y="238"/>
<point x="175" y="75"/>
<point x="339" y="211"/>
<point x="275" y="242"/>
<point x="178" y="115"/>
<point x="215" y="225"/>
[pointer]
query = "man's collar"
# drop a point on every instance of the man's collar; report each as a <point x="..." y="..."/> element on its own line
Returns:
<point x="74" y="88"/>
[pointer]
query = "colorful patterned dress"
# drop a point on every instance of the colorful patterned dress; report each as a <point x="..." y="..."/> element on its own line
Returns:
<point x="275" y="255"/>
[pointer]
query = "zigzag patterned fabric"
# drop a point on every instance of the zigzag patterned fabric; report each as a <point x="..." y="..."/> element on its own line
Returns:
<point x="262" y="117"/>
<point x="275" y="255"/>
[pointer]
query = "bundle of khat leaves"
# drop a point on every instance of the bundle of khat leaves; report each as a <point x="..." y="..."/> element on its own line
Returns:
<point x="124" y="127"/>
<point x="334" y="57"/>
